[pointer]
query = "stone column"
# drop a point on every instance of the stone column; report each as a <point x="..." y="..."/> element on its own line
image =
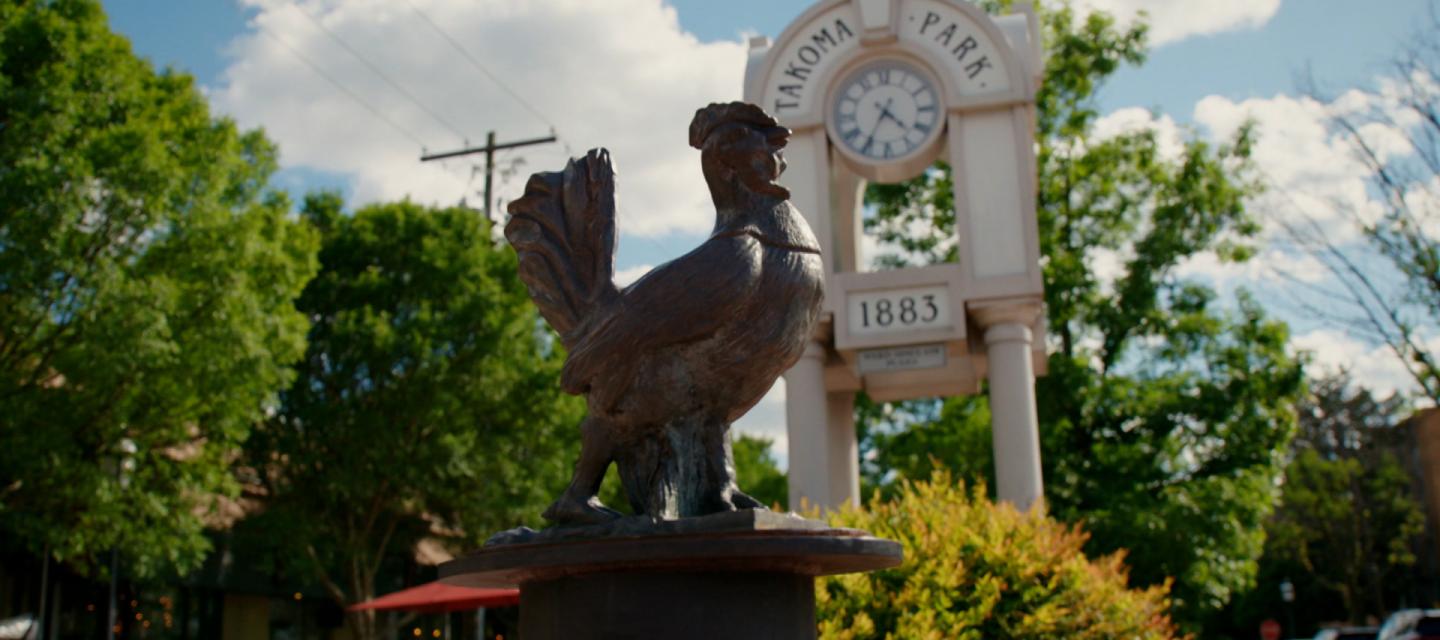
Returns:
<point x="820" y="424"/>
<point x="1013" y="422"/>
<point x="806" y="425"/>
<point x="844" y="463"/>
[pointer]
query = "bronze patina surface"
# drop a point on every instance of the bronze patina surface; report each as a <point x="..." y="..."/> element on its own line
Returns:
<point x="669" y="362"/>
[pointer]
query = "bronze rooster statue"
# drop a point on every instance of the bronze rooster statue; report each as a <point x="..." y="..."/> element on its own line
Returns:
<point x="670" y="361"/>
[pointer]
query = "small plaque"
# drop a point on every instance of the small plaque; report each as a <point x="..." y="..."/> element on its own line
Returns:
<point x="920" y="356"/>
<point x="898" y="310"/>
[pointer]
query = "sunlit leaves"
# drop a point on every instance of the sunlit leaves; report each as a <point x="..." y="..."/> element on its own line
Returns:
<point x="146" y="294"/>
<point x="973" y="569"/>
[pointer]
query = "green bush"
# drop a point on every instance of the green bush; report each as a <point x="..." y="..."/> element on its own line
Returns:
<point x="974" y="569"/>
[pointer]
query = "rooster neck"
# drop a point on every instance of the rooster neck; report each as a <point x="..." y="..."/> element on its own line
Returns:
<point x="770" y="219"/>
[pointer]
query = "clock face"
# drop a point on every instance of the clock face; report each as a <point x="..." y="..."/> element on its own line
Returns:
<point x="886" y="110"/>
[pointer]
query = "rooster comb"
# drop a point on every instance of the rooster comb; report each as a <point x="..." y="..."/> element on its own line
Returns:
<point x="718" y="114"/>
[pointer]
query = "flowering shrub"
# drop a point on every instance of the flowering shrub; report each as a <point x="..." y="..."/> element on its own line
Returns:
<point x="974" y="569"/>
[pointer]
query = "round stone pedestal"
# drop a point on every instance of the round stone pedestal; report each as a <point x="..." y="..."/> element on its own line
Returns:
<point x="670" y="604"/>
<point x="737" y="582"/>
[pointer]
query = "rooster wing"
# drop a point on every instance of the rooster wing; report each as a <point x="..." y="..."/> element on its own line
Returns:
<point x="678" y="302"/>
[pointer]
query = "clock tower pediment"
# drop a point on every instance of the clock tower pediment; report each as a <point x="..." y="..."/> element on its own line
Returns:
<point x="975" y="61"/>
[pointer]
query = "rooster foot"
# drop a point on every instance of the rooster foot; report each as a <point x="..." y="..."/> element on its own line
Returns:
<point x="572" y="511"/>
<point x="742" y="500"/>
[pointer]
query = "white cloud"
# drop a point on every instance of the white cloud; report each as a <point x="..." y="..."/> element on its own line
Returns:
<point x="1318" y="188"/>
<point x="1106" y="265"/>
<point x="1169" y="137"/>
<point x="619" y="74"/>
<point x="1272" y="265"/>
<point x="1423" y="198"/>
<point x="1175" y="20"/>
<point x="1314" y="184"/>
<point x="1374" y="366"/>
<point x="624" y="277"/>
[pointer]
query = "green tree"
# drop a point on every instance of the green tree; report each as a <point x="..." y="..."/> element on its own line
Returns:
<point x="1348" y="523"/>
<point x="973" y="569"/>
<point x="1165" y="415"/>
<point x="1351" y="527"/>
<point x="146" y="288"/>
<point x="426" y="405"/>
<point x="916" y="439"/>
<point x="757" y="472"/>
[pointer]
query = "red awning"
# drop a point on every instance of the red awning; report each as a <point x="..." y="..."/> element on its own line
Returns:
<point x="434" y="597"/>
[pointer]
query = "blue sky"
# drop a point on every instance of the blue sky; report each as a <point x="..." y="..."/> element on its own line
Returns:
<point x="1341" y="42"/>
<point x="627" y="73"/>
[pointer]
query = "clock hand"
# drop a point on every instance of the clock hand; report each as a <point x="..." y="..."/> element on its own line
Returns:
<point x="884" y="107"/>
<point x="885" y="112"/>
<point x="870" y="137"/>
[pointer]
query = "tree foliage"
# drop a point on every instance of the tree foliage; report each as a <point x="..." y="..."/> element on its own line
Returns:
<point x="1350" y="527"/>
<point x="757" y="472"/>
<point x="426" y="405"/>
<point x="1165" y="413"/>
<point x="973" y="569"/>
<point x="1349" y="523"/>
<point x="146" y="288"/>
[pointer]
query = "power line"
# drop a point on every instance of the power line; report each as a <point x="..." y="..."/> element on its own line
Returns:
<point x="353" y="96"/>
<point x="480" y="67"/>
<point x="489" y="150"/>
<point x="376" y="70"/>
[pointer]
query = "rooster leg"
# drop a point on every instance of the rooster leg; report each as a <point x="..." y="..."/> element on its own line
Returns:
<point x="739" y="499"/>
<point x="579" y="505"/>
<point x="731" y="495"/>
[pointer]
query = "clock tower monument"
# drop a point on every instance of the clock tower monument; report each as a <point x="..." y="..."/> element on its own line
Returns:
<point x="878" y="90"/>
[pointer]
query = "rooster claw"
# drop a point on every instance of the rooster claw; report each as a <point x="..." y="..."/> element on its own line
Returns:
<point x="570" y="511"/>
<point x="742" y="500"/>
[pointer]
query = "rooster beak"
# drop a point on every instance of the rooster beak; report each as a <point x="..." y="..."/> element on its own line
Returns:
<point x="538" y="184"/>
<point x="777" y="136"/>
<point x="537" y="188"/>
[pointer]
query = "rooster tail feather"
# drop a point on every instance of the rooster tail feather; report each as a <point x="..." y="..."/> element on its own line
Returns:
<point x="563" y="230"/>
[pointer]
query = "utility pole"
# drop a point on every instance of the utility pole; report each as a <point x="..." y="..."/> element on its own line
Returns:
<point x="489" y="150"/>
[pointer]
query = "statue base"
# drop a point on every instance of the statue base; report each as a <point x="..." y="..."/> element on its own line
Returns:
<point x="709" y="577"/>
